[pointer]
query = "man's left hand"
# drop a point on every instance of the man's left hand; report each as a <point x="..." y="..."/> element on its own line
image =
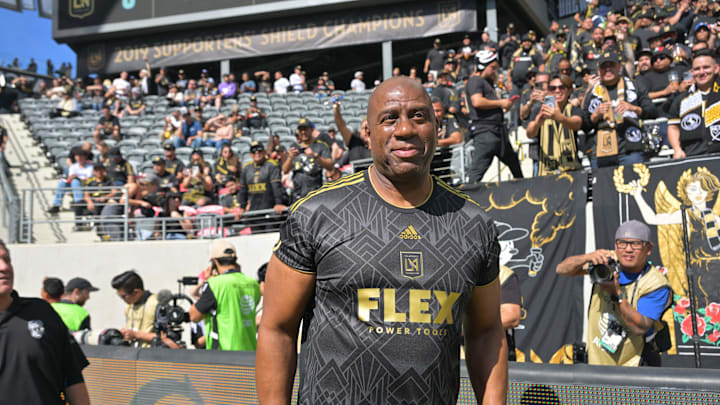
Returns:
<point x="611" y="287"/>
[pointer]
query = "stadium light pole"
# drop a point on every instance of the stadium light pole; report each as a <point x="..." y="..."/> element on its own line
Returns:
<point x="491" y="19"/>
<point x="387" y="59"/>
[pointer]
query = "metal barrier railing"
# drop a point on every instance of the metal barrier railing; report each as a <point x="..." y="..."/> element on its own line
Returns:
<point x="28" y="220"/>
<point x="11" y="212"/>
<point x="120" y="222"/>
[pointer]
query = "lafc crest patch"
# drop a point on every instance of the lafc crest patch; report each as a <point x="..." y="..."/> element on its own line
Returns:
<point x="411" y="264"/>
<point x="81" y="8"/>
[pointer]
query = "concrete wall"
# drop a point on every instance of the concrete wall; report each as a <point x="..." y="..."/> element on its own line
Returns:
<point x="160" y="264"/>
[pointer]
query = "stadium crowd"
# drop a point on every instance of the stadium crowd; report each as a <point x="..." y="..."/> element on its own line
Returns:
<point x="617" y="87"/>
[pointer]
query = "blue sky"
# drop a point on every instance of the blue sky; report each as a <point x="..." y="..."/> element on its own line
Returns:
<point x="27" y="35"/>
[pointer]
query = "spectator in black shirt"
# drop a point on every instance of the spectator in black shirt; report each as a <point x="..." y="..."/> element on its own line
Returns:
<point x="435" y="59"/>
<point x="172" y="164"/>
<point x="167" y="179"/>
<point x="109" y="125"/>
<point x="260" y="186"/>
<point x="37" y="349"/>
<point x="306" y="160"/>
<point x="255" y="116"/>
<point x="509" y="42"/>
<point x="95" y="200"/>
<point x="487" y="127"/>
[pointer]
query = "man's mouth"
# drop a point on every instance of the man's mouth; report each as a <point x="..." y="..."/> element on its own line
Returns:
<point x="407" y="152"/>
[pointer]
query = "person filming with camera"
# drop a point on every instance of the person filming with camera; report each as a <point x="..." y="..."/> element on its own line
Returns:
<point x="227" y="303"/>
<point x="628" y="298"/>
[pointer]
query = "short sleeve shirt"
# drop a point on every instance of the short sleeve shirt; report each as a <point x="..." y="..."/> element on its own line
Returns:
<point x="37" y="352"/>
<point x="391" y="288"/>
<point x="307" y="172"/>
<point x="109" y="123"/>
<point x="483" y="119"/>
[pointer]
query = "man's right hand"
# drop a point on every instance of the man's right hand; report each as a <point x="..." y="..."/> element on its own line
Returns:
<point x="294" y="151"/>
<point x="506" y="104"/>
<point x="601" y="110"/>
<point x="678" y="154"/>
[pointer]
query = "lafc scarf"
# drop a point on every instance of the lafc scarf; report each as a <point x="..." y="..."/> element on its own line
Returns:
<point x="558" y="151"/>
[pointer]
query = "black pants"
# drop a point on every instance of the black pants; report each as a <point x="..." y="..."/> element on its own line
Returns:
<point x="488" y="145"/>
<point x="650" y="358"/>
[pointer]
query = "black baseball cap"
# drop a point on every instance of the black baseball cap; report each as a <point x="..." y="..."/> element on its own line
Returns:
<point x="158" y="161"/>
<point x="198" y="151"/>
<point x="169" y="146"/>
<point x="304" y="122"/>
<point x="645" y="51"/>
<point x="79" y="283"/>
<point x="664" y="53"/>
<point x="256" y="146"/>
<point x="609" y="57"/>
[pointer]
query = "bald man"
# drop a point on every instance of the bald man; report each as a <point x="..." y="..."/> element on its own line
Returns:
<point x="362" y="262"/>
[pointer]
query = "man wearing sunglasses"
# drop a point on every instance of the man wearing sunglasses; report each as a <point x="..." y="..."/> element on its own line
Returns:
<point x="613" y="108"/>
<point x="624" y="312"/>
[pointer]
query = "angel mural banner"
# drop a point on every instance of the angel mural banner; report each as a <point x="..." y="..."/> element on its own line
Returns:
<point x="541" y="221"/>
<point x="656" y="194"/>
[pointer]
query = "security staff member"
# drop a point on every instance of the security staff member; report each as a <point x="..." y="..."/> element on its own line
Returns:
<point x="624" y="313"/>
<point x="523" y="59"/>
<point x="39" y="358"/>
<point x="228" y="303"/>
<point x="260" y="182"/>
<point x="613" y="109"/>
<point x="70" y="308"/>
<point x="694" y="124"/>
<point x="449" y="132"/>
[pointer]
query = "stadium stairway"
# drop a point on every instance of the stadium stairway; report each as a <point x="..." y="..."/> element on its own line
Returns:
<point x="31" y="169"/>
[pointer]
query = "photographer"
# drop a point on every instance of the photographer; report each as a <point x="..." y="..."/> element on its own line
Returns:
<point x="140" y="309"/>
<point x="626" y="304"/>
<point x="227" y="303"/>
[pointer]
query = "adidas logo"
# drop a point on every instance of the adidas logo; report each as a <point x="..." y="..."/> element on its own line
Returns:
<point x="410" y="233"/>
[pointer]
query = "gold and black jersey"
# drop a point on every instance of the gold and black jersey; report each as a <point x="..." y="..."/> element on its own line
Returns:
<point x="392" y="285"/>
<point x="261" y="185"/>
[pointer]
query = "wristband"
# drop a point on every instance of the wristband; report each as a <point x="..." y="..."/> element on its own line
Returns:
<point x="617" y="297"/>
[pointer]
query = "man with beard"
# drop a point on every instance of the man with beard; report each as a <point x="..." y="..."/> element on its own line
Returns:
<point x="687" y="133"/>
<point x="613" y="108"/>
<point x="523" y="60"/>
<point x="307" y="159"/>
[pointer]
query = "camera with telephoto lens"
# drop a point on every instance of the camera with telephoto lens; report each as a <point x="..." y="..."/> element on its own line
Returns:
<point x="169" y="316"/>
<point x="602" y="273"/>
<point x="100" y="337"/>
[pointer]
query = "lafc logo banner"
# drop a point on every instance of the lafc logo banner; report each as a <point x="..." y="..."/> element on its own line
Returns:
<point x="81" y="8"/>
<point x="316" y="31"/>
<point x="659" y="194"/>
<point x="539" y="222"/>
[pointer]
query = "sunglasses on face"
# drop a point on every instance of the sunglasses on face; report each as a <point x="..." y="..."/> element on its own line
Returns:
<point x="556" y="88"/>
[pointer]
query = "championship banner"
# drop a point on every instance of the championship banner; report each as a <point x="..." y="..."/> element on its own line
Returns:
<point x="290" y="34"/>
<point x="656" y="194"/>
<point x="540" y="222"/>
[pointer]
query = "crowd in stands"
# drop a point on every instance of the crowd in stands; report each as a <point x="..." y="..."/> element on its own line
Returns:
<point x="259" y="143"/>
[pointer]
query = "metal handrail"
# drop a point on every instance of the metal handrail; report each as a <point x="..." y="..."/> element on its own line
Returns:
<point x="208" y="225"/>
<point x="11" y="204"/>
